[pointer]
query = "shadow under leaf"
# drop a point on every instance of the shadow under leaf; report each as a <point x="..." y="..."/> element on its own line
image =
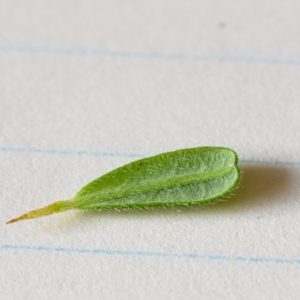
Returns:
<point x="261" y="186"/>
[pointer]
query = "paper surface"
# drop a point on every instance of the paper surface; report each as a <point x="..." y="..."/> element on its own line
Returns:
<point x="88" y="86"/>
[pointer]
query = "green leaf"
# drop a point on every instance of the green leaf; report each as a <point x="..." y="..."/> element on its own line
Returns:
<point x="182" y="177"/>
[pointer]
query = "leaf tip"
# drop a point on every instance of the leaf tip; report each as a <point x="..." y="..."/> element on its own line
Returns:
<point x="44" y="211"/>
<point x="23" y="217"/>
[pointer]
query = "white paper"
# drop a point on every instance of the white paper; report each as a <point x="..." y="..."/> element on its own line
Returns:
<point x="88" y="86"/>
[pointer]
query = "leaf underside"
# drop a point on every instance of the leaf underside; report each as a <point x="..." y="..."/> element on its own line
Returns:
<point x="182" y="177"/>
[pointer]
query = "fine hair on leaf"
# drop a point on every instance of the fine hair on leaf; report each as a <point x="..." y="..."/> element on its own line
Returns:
<point x="179" y="178"/>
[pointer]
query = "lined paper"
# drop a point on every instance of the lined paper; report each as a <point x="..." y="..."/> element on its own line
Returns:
<point x="87" y="86"/>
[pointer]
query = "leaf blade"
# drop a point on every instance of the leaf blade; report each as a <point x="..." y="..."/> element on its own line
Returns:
<point x="159" y="180"/>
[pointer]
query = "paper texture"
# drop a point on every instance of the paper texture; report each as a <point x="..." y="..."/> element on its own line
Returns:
<point x="88" y="86"/>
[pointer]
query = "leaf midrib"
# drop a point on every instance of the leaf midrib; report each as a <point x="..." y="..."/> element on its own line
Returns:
<point x="154" y="185"/>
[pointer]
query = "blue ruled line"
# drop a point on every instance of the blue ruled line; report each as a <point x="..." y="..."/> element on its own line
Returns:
<point x="68" y="152"/>
<point x="149" y="55"/>
<point x="131" y="155"/>
<point x="153" y="254"/>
